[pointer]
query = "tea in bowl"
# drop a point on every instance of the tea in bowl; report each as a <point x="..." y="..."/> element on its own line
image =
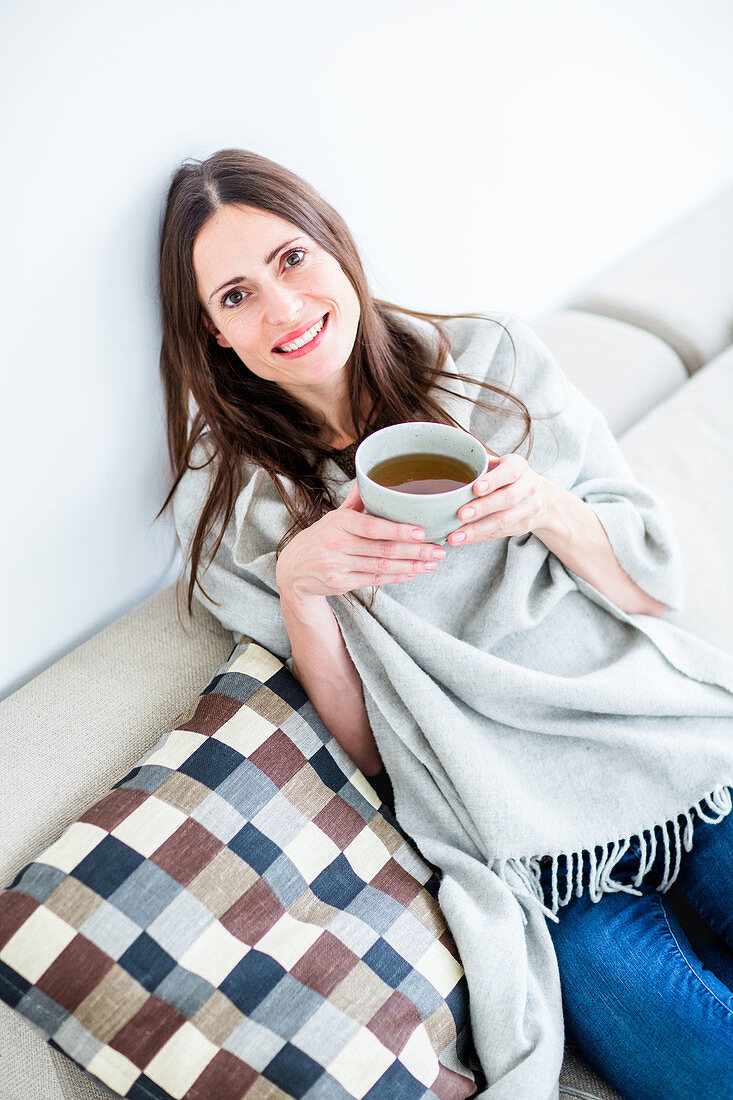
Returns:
<point x="420" y="473"/>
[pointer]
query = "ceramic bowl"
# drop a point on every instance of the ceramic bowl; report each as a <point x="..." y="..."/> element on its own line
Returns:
<point x="436" y="513"/>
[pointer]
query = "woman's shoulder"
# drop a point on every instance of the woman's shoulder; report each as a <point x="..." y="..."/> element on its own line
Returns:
<point x="198" y="477"/>
<point x="496" y="333"/>
<point x="203" y="464"/>
<point x="503" y="348"/>
<point x="197" y="482"/>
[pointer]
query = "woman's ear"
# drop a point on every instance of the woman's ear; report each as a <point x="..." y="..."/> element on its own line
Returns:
<point x="215" y="332"/>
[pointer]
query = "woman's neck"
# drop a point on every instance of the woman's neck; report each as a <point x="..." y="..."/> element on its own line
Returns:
<point x="344" y="432"/>
<point x="340" y="438"/>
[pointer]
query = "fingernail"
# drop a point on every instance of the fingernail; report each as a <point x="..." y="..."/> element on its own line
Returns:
<point x="467" y="513"/>
<point x="417" y="533"/>
<point x="481" y="486"/>
<point x="459" y="537"/>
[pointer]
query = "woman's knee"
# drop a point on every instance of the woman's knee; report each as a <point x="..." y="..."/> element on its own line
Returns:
<point x="706" y="875"/>
<point x="633" y="1000"/>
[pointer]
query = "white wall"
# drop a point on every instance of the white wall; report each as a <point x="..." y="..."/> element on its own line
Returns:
<point x="488" y="155"/>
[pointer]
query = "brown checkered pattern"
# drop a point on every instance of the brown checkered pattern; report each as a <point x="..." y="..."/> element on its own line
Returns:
<point x="241" y="916"/>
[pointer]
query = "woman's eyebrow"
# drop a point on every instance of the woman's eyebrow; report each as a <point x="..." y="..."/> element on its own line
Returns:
<point x="243" y="278"/>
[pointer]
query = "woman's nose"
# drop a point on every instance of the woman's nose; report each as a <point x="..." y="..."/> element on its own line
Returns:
<point x="282" y="305"/>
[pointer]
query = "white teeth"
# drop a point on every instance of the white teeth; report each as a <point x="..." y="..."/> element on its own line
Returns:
<point x="304" y="339"/>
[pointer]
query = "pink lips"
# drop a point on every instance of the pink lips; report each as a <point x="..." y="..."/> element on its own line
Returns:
<point x="306" y="347"/>
<point x="298" y="332"/>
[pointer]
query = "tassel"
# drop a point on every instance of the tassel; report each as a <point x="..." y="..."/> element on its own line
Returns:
<point x="609" y="885"/>
<point x="712" y="808"/>
<point x="555" y="898"/>
<point x="521" y="868"/>
<point x="568" y="880"/>
<point x="643" y="859"/>
<point x="593" y="878"/>
<point x="719" y="801"/>
<point x="687" y="839"/>
<point x="579" y="877"/>
<point x="665" y="873"/>
<point x="605" y="882"/>
<point x="669" y="876"/>
<point x="650" y="854"/>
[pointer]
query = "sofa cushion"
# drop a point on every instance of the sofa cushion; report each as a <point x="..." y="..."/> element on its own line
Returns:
<point x="241" y="911"/>
<point x="623" y="370"/>
<point x="70" y="732"/>
<point x="683" y="451"/>
<point x="578" y="1079"/>
<point x="679" y="286"/>
<point x="99" y="708"/>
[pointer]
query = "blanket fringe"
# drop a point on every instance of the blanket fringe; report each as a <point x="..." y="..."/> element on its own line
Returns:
<point x="712" y="808"/>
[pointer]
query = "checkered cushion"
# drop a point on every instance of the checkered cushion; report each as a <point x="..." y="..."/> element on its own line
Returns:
<point x="241" y="916"/>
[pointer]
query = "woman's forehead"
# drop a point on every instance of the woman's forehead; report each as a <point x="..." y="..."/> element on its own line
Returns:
<point x="239" y="234"/>
<point x="241" y="225"/>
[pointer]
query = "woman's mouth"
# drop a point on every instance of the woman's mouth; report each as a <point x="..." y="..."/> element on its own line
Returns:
<point x="305" y="343"/>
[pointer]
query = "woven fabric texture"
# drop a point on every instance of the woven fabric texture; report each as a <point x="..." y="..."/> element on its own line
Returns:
<point x="241" y="915"/>
<point x="21" y="1048"/>
<point x="580" y="1081"/>
<point x="68" y="734"/>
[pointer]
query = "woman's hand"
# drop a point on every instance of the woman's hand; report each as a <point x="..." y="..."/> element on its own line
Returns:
<point x="511" y="499"/>
<point x="347" y="549"/>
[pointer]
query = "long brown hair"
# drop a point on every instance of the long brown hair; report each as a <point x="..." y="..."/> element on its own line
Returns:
<point x="391" y="370"/>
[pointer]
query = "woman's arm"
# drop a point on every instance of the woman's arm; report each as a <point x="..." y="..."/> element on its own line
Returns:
<point x="604" y="525"/>
<point x="575" y="534"/>
<point x="324" y="669"/>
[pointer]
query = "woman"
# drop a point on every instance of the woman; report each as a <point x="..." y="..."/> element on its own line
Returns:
<point x="552" y="742"/>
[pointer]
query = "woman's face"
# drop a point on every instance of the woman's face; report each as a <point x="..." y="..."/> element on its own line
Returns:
<point x="264" y="283"/>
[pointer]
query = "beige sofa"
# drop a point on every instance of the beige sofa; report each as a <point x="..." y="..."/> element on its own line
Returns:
<point x="649" y="342"/>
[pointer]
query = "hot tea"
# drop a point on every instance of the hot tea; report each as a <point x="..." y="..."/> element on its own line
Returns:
<point x="422" y="473"/>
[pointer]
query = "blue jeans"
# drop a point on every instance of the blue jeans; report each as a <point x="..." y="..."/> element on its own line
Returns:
<point x="647" y="981"/>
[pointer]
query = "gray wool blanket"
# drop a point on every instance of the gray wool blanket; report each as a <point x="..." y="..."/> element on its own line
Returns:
<point x="519" y="713"/>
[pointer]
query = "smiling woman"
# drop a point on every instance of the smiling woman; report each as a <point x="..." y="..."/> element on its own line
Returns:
<point x="270" y="330"/>
<point x="542" y="727"/>
<point x="294" y="302"/>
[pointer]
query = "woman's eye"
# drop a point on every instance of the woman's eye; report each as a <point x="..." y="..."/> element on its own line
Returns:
<point x="231" y="299"/>
<point x="236" y="297"/>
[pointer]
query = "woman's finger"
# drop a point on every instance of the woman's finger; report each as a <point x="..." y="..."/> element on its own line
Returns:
<point x="498" y="501"/>
<point x="391" y="565"/>
<point x="374" y="527"/>
<point x="375" y="579"/>
<point x="512" y="521"/>
<point x="506" y="470"/>
<point x="353" y="499"/>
